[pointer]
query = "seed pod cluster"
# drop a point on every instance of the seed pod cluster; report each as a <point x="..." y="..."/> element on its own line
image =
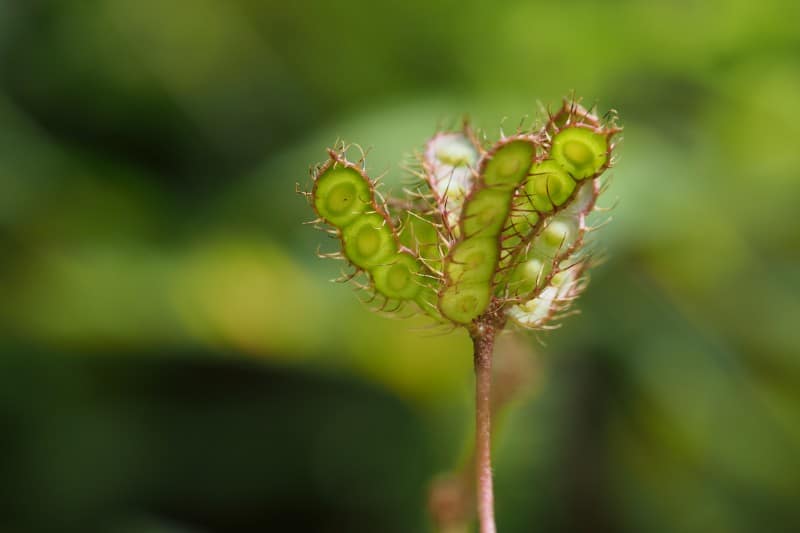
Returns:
<point x="494" y="228"/>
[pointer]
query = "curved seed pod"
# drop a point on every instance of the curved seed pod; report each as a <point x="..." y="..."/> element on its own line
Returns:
<point x="545" y="268"/>
<point x="344" y="197"/>
<point x="563" y="188"/>
<point x="470" y="266"/>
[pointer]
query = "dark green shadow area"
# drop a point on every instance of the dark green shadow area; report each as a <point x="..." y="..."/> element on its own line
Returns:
<point x="194" y="442"/>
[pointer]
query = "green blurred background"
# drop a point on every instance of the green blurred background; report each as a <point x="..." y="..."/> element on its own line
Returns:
<point x="175" y="360"/>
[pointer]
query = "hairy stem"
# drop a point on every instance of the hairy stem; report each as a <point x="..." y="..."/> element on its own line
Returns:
<point x="451" y="499"/>
<point x="483" y="342"/>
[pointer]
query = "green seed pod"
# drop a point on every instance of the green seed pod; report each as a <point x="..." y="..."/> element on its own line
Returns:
<point x="463" y="302"/>
<point x="369" y="241"/>
<point x="509" y="164"/>
<point x="485" y="213"/>
<point x="580" y="151"/>
<point x="341" y="194"/>
<point x="473" y="260"/>
<point x="400" y="279"/>
<point x="549" y="186"/>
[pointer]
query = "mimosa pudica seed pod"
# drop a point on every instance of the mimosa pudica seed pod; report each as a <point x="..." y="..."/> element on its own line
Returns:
<point x="498" y="228"/>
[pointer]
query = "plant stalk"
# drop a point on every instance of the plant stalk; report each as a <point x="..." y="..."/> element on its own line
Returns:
<point x="483" y="343"/>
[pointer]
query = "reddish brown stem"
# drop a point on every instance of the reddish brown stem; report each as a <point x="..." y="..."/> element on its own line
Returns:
<point x="483" y="342"/>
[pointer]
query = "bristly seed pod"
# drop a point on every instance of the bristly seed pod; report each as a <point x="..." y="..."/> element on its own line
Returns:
<point x="494" y="229"/>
